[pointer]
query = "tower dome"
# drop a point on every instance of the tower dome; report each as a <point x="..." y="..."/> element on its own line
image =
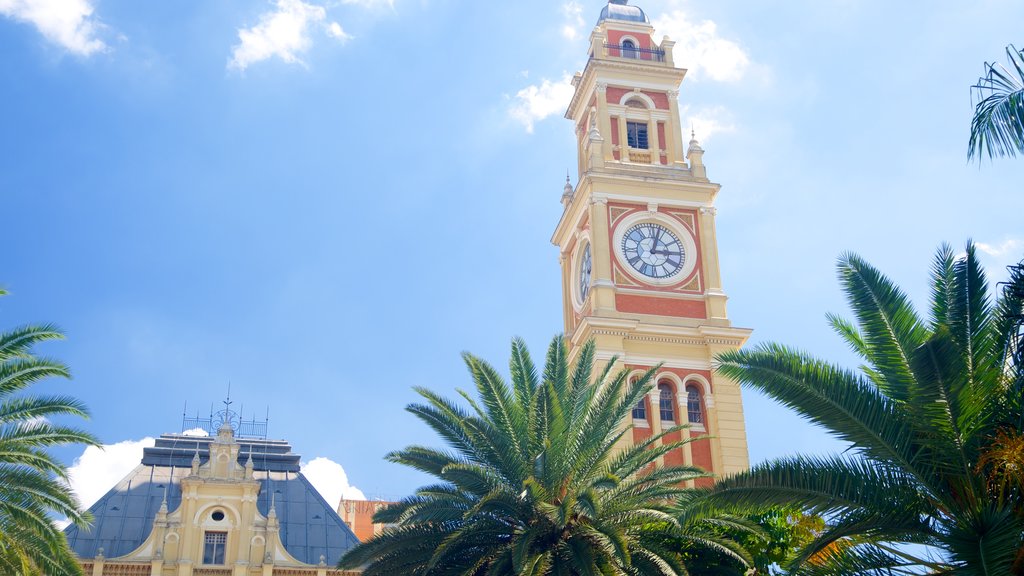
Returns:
<point x="621" y="10"/>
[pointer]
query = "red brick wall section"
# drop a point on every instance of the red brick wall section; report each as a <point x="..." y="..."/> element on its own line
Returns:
<point x="615" y="95"/>
<point x="701" y="450"/>
<point x="660" y="306"/>
<point x="615" y="37"/>
<point x="675" y="457"/>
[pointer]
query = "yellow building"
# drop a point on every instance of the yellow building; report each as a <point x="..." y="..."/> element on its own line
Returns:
<point x="637" y="246"/>
<point x="213" y="506"/>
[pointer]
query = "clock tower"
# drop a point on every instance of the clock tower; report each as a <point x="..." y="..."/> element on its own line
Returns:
<point x="639" y="258"/>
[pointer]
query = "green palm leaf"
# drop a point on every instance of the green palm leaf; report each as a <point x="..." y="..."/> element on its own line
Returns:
<point x="997" y="128"/>
<point x="924" y="420"/>
<point x="532" y="481"/>
<point x="32" y="481"/>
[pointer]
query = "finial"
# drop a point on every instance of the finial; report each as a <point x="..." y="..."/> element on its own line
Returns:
<point x="693" y="133"/>
<point x="323" y="560"/>
<point x="99" y="553"/>
<point x="567" y="190"/>
<point x="163" y="503"/>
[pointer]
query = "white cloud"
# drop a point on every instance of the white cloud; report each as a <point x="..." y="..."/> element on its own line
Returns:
<point x="283" y="32"/>
<point x="998" y="256"/>
<point x="69" y="23"/>
<point x="706" y="122"/>
<point x="334" y="30"/>
<point x="535" y="103"/>
<point x="1009" y="247"/>
<point x="195" y="432"/>
<point x="700" y="49"/>
<point x="97" y="470"/>
<point x="371" y="3"/>
<point x="330" y="480"/>
<point x="573" y="12"/>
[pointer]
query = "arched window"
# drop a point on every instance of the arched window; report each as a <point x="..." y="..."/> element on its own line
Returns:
<point x="666" y="402"/>
<point x="694" y="407"/>
<point x="629" y="49"/>
<point x="636" y="103"/>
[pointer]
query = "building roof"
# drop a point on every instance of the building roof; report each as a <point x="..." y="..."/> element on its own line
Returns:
<point x="620" y="10"/>
<point x="309" y="526"/>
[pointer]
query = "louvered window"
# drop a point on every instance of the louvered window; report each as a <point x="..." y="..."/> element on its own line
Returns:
<point x="636" y="135"/>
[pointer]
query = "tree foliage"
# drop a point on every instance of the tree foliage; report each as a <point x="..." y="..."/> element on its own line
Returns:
<point x="932" y="481"/>
<point x="536" y="480"/>
<point x="33" y="482"/>
<point x="997" y="128"/>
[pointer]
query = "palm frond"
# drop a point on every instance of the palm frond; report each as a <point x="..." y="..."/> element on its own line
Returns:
<point x="997" y="128"/>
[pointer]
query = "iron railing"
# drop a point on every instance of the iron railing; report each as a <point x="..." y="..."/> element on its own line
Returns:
<point x="635" y="53"/>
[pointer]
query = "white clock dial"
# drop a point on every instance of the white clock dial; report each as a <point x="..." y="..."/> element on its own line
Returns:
<point x="584" y="274"/>
<point x="653" y="250"/>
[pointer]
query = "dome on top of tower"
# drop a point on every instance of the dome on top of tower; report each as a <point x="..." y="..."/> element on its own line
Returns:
<point x="621" y="10"/>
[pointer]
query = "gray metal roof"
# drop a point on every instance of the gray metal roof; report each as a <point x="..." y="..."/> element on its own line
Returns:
<point x="619" y="10"/>
<point x="309" y="526"/>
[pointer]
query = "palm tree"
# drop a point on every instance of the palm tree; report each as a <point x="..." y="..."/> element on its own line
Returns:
<point x="33" y="484"/>
<point x="534" y="482"/>
<point x="998" y="124"/>
<point x="932" y="481"/>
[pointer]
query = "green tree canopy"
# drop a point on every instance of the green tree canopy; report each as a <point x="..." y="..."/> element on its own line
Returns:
<point x="535" y="481"/>
<point x="933" y="478"/>
<point x="33" y="482"/>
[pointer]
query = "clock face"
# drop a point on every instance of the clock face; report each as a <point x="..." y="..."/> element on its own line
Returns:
<point x="584" y="271"/>
<point x="653" y="250"/>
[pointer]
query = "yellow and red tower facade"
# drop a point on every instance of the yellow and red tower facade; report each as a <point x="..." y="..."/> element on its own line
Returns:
<point x="639" y="257"/>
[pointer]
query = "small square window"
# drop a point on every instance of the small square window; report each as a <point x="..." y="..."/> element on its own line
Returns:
<point x="213" y="547"/>
<point x="636" y="135"/>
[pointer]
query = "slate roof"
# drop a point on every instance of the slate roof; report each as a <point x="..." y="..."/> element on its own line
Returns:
<point x="619" y="10"/>
<point x="309" y="526"/>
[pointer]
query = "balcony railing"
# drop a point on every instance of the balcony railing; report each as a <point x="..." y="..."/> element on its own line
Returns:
<point x="632" y="52"/>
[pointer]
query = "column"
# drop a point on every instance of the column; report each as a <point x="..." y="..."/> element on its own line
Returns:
<point x="655" y="140"/>
<point x="673" y="133"/>
<point x="712" y="274"/>
<point x="623" y="139"/>
<point x="604" y="119"/>
<point x="654" y="416"/>
<point x="602" y="292"/>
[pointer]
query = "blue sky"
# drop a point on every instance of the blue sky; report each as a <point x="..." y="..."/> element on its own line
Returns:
<point x="323" y="202"/>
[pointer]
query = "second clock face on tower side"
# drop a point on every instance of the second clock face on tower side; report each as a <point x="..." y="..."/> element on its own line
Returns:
<point x="653" y="250"/>
<point x="584" y="274"/>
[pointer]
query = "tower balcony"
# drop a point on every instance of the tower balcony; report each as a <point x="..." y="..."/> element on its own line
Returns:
<point x="628" y="51"/>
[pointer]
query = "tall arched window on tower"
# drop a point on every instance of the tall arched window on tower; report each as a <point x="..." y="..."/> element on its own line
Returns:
<point x="629" y="49"/>
<point x="640" y="410"/>
<point x="666" y="402"/>
<point x="694" y="406"/>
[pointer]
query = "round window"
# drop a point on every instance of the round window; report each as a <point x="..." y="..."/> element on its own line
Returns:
<point x="217" y="515"/>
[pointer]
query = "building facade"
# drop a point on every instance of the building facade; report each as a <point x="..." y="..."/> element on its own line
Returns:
<point x="637" y="246"/>
<point x="213" y="506"/>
